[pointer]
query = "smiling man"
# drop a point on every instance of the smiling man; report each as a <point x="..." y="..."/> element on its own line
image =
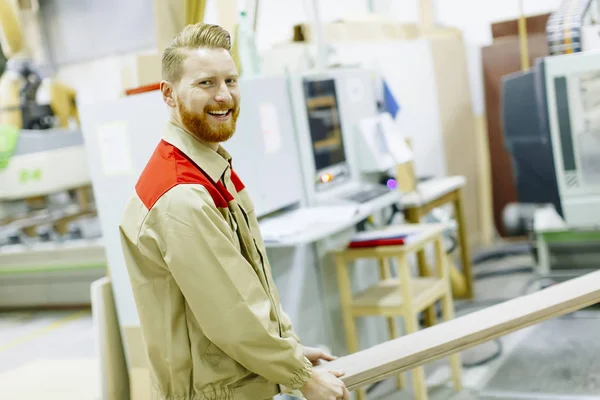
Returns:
<point x="209" y="310"/>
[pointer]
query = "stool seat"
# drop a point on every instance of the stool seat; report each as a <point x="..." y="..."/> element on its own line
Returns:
<point x="432" y="190"/>
<point x="385" y="297"/>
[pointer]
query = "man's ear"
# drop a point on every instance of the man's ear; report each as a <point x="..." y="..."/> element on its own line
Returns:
<point x="168" y="93"/>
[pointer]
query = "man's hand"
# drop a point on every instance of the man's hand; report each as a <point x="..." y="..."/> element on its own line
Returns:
<point x="315" y="355"/>
<point x="325" y="385"/>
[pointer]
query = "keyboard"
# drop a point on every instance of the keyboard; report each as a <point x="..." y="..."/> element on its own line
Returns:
<point x="366" y="195"/>
<point x="304" y="219"/>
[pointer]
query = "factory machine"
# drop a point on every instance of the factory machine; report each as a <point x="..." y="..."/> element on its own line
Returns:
<point x="50" y="242"/>
<point x="297" y="149"/>
<point x="552" y="130"/>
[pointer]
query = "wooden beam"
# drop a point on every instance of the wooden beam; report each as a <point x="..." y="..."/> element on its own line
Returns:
<point x="11" y="29"/>
<point x="427" y="14"/>
<point x="440" y="341"/>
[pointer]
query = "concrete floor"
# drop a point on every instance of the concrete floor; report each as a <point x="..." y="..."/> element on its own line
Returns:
<point x="48" y="355"/>
<point x="52" y="355"/>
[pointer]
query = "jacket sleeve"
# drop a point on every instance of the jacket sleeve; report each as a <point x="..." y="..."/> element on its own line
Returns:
<point x="288" y="328"/>
<point x="223" y="290"/>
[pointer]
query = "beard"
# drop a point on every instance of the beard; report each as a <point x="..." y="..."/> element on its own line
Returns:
<point x="199" y="126"/>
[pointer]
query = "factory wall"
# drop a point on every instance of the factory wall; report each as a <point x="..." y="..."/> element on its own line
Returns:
<point x="276" y="19"/>
<point x="105" y="76"/>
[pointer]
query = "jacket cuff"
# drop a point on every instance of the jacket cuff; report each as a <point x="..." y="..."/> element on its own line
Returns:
<point x="300" y="377"/>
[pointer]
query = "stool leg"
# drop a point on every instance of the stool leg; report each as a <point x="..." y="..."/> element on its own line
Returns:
<point x="411" y="323"/>
<point x="393" y="331"/>
<point x="413" y="215"/>
<point x="448" y="307"/>
<point x="418" y="374"/>
<point x="346" y="304"/>
<point x="463" y="242"/>
<point x="385" y="273"/>
<point x="455" y="362"/>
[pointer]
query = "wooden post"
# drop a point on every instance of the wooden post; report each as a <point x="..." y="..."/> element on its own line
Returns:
<point x="427" y="15"/>
<point x="523" y="38"/>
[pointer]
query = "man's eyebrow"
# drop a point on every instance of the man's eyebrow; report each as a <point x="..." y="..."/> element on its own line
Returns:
<point x="202" y="78"/>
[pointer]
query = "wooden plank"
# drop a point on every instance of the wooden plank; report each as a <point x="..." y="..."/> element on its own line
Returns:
<point x="405" y="353"/>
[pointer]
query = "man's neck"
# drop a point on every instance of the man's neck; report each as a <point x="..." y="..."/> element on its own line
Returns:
<point x="211" y="145"/>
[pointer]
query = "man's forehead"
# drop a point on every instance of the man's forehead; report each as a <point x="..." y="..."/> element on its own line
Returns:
<point x="208" y="62"/>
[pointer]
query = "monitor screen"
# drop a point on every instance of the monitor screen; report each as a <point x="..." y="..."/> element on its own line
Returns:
<point x="324" y="123"/>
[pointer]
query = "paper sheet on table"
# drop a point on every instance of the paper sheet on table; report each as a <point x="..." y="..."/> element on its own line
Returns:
<point x="395" y="140"/>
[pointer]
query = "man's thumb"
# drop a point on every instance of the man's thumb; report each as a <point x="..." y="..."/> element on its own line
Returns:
<point x="337" y="374"/>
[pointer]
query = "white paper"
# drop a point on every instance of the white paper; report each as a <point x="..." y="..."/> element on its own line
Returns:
<point x="380" y="156"/>
<point x="269" y="125"/>
<point x="395" y="140"/>
<point x="115" y="151"/>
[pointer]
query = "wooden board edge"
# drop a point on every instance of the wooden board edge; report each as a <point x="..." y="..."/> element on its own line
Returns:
<point x="442" y="349"/>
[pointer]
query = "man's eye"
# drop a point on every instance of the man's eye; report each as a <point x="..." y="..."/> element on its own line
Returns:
<point x="204" y="83"/>
<point x="231" y="81"/>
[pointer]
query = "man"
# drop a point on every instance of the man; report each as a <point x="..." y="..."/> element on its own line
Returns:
<point x="209" y="310"/>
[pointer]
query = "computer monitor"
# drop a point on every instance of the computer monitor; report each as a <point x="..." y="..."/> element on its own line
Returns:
<point x="324" y="123"/>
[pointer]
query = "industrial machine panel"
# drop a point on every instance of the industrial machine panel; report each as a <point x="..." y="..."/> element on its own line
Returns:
<point x="120" y="137"/>
<point x="573" y="96"/>
<point x="263" y="147"/>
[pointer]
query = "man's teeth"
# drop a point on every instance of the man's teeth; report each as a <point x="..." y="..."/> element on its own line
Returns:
<point x="221" y="112"/>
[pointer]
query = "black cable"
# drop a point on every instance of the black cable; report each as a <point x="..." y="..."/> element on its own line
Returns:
<point x="506" y="251"/>
<point x="503" y="272"/>
<point x="489" y="359"/>
<point x="373" y="386"/>
<point x="453" y="244"/>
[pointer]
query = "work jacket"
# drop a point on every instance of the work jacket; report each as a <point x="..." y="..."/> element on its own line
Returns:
<point x="209" y="310"/>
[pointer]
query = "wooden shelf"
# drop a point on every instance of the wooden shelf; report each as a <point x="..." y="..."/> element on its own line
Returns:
<point x="385" y="297"/>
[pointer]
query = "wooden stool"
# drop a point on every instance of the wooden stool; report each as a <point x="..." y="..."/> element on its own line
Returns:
<point x="404" y="297"/>
<point x="431" y="194"/>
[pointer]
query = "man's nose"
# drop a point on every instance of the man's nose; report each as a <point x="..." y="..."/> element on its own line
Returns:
<point x="223" y="94"/>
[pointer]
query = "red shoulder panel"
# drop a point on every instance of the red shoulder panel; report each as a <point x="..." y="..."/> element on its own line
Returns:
<point x="237" y="182"/>
<point x="167" y="168"/>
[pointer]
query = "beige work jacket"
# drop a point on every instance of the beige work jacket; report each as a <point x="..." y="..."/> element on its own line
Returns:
<point x="209" y="309"/>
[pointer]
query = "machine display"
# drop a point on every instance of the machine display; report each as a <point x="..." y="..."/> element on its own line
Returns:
<point x="325" y="130"/>
<point x="329" y="110"/>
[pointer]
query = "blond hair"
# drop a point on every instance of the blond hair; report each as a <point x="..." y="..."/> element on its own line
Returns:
<point x="190" y="38"/>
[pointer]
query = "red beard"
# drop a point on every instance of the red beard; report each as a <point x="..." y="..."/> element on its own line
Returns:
<point x="198" y="125"/>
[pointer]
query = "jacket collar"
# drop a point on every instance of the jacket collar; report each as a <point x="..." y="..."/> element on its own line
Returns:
<point x="214" y="163"/>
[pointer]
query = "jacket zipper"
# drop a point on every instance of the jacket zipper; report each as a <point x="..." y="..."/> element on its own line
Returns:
<point x="262" y="263"/>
